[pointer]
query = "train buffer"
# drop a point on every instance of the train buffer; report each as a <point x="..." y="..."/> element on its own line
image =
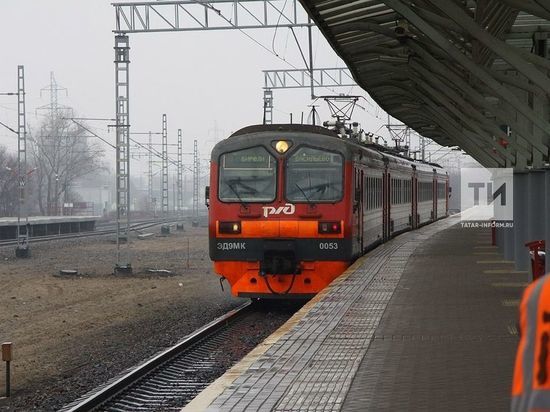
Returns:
<point x="426" y="321"/>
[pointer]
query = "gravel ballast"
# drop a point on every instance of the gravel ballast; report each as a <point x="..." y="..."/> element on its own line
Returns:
<point x="73" y="332"/>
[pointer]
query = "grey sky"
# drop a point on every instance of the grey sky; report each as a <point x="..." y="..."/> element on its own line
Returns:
<point x="198" y="78"/>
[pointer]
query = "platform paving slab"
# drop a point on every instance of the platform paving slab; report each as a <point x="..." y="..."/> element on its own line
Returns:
<point x="410" y="326"/>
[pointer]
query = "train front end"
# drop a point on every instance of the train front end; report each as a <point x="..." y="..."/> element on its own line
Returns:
<point x="279" y="225"/>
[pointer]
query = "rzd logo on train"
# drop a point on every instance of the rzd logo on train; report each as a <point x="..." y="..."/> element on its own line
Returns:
<point x="287" y="209"/>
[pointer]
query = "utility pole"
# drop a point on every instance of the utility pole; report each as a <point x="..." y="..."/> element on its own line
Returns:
<point x="180" y="174"/>
<point x="122" y="79"/>
<point x="423" y="146"/>
<point x="142" y="16"/>
<point x="174" y="182"/>
<point x="53" y="109"/>
<point x="150" y="174"/>
<point x="310" y="44"/>
<point x="149" y="17"/>
<point x="22" y="249"/>
<point x="196" y="180"/>
<point x="184" y="185"/>
<point x="149" y="148"/>
<point x="53" y="90"/>
<point x="164" y="168"/>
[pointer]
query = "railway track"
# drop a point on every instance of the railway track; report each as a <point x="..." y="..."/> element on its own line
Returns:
<point x="171" y="379"/>
<point x="97" y="232"/>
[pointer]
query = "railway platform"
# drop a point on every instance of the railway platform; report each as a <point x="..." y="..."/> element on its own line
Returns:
<point x="48" y="225"/>
<point x="426" y="321"/>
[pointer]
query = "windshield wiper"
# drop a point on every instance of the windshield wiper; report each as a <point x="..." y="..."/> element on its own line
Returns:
<point x="304" y="193"/>
<point x="230" y="185"/>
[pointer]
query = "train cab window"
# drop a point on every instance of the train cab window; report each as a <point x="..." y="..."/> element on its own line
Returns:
<point x="248" y="175"/>
<point x="314" y="175"/>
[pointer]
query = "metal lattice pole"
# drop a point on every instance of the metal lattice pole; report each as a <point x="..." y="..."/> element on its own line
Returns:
<point x="185" y="185"/>
<point x="150" y="174"/>
<point x="423" y="148"/>
<point x="268" y="106"/>
<point x="196" y="177"/>
<point x="164" y="168"/>
<point x="122" y="65"/>
<point x="22" y="211"/>
<point x="180" y="174"/>
<point x="56" y="207"/>
<point x="310" y="44"/>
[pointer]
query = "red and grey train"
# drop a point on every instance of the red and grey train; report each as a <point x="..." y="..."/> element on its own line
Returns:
<point x="292" y="206"/>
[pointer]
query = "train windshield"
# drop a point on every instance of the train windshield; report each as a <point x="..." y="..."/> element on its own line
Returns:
<point x="248" y="176"/>
<point x="314" y="175"/>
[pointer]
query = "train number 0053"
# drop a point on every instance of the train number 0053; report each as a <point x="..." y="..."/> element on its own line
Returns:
<point x="328" y="245"/>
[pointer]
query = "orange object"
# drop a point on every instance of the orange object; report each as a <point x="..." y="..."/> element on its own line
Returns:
<point x="531" y="382"/>
<point x="246" y="282"/>
<point x="291" y="206"/>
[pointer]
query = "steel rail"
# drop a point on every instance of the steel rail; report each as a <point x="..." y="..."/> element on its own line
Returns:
<point x="115" y="387"/>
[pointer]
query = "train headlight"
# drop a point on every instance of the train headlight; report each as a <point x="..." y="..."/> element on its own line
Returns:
<point x="282" y="146"/>
<point x="229" y="228"/>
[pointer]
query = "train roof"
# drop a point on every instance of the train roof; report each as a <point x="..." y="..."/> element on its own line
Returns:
<point x="304" y="128"/>
<point x="377" y="150"/>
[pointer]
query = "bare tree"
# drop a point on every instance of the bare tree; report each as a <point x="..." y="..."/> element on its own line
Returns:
<point x="62" y="152"/>
<point x="8" y="183"/>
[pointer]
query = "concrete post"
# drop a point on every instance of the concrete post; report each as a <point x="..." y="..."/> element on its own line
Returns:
<point x="522" y="205"/>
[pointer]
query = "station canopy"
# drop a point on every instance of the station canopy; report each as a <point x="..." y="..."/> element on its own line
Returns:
<point x="472" y="74"/>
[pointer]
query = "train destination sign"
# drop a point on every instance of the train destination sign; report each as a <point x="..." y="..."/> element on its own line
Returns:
<point x="316" y="157"/>
<point x="247" y="159"/>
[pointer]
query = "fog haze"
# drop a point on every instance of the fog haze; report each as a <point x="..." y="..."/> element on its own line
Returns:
<point x="209" y="83"/>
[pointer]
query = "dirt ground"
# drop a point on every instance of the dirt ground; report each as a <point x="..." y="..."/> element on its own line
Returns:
<point x="71" y="333"/>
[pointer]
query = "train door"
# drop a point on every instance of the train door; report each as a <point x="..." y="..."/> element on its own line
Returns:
<point x="361" y="210"/>
<point x="414" y="199"/>
<point x="358" y="212"/>
<point x="447" y="195"/>
<point x="434" y="197"/>
<point x="386" y="192"/>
